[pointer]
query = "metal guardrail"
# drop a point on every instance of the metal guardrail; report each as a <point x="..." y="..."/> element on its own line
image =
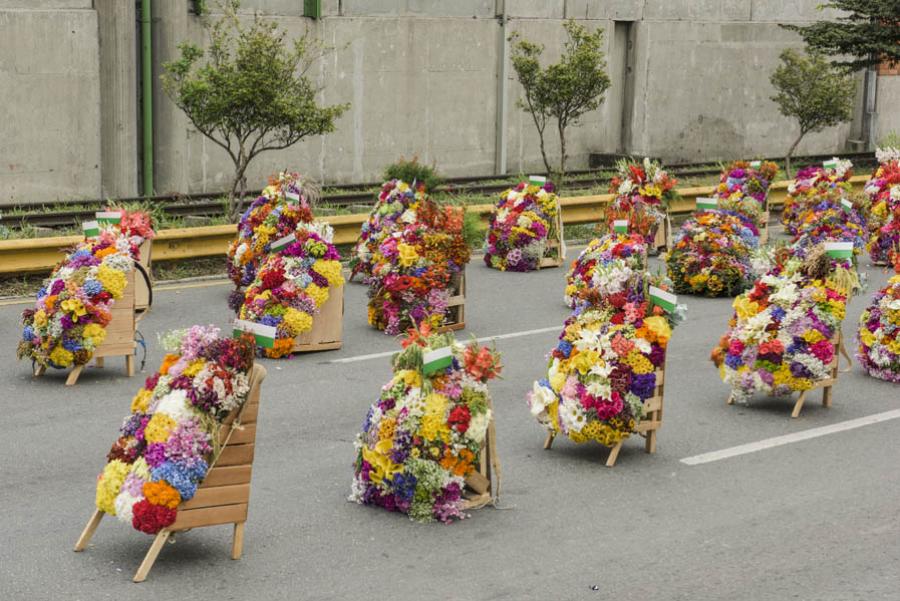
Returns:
<point x="32" y="255"/>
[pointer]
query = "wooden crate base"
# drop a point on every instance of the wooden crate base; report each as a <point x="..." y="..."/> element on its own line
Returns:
<point x="224" y="495"/>
<point x="483" y="485"/>
<point x="556" y="246"/>
<point x="652" y="422"/>
<point x="328" y="326"/>
<point x="456" y="306"/>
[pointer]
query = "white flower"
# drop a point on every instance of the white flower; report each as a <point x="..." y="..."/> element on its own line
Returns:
<point x="883" y="155"/>
<point x="478" y="426"/>
<point x="124" y="504"/>
<point x="572" y="417"/>
<point x="895" y="192"/>
<point x="175" y="405"/>
<point x="408" y="216"/>
<point x="541" y="397"/>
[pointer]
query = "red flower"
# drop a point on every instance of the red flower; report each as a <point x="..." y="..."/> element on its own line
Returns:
<point x="618" y="318"/>
<point x="150" y="518"/>
<point x="459" y="419"/>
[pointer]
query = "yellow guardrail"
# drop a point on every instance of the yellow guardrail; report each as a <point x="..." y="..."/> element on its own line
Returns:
<point x="31" y="255"/>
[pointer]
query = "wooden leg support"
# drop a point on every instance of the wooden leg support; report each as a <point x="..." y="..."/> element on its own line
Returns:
<point x="799" y="405"/>
<point x="237" y="543"/>
<point x="650" y="443"/>
<point x="39" y="370"/>
<point x="129" y="365"/>
<point x="88" y="531"/>
<point x="74" y="375"/>
<point x="826" y="396"/>
<point x="730" y="400"/>
<point x="98" y="362"/>
<point x="613" y="455"/>
<point x="549" y="442"/>
<point x="151" y="556"/>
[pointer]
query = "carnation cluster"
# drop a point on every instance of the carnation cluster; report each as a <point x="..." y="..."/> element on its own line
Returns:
<point x="879" y="332"/>
<point x="169" y="441"/>
<point x="523" y="221"/>
<point x="282" y="208"/>
<point x="604" y="267"/>
<point x="425" y="434"/>
<point x="643" y="192"/>
<point x="68" y="321"/>
<point x="712" y="254"/>
<point x="396" y="207"/>
<point x="783" y="335"/>
<point x="290" y="288"/>
<point x="883" y="192"/>
<point x="414" y="269"/>
<point x="744" y="188"/>
<point x="606" y="364"/>
<point x="809" y="184"/>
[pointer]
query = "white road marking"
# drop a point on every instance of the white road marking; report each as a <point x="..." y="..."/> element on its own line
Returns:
<point x="485" y="339"/>
<point x="778" y="441"/>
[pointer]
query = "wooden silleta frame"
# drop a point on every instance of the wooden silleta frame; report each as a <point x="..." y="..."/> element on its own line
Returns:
<point x="224" y="495"/>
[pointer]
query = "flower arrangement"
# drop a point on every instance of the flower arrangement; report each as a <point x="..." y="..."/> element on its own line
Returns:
<point x="781" y="338"/>
<point x="883" y="191"/>
<point x="713" y="253"/>
<point x="68" y="321"/>
<point x="396" y="207"/>
<point x="878" y="336"/>
<point x="413" y="269"/>
<point x="643" y="192"/>
<point x="833" y="218"/>
<point x="424" y="435"/>
<point x="604" y="367"/>
<point x="809" y="184"/>
<point x="169" y="441"/>
<point x="603" y="266"/>
<point x="744" y="188"/>
<point x="290" y="287"/>
<point x="522" y="222"/>
<point x="281" y="208"/>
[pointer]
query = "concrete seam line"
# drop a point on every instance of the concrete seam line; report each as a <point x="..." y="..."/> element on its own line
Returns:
<point x="485" y="339"/>
<point x="777" y="441"/>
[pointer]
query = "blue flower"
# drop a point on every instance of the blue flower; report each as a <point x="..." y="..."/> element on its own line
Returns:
<point x="404" y="485"/>
<point x="27" y="333"/>
<point x="565" y="348"/>
<point x="182" y="477"/>
<point x="92" y="287"/>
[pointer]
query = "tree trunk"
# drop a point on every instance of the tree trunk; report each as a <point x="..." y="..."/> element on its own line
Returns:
<point x="790" y="153"/>
<point x="544" y="152"/>
<point x="562" y="154"/>
<point x="238" y="190"/>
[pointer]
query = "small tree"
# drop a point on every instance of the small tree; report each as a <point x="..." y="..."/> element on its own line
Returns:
<point x="813" y="92"/>
<point x="413" y="171"/>
<point x="563" y="91"/>
<point x="867" y="33"/>
<point x="251" y="95"/>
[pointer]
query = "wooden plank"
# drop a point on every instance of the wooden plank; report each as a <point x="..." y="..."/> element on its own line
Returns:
<point x="215" y="496"/>
<point x="652" y="404"/>
<point x="240" y="454"/>
<point x="224" y="475"/>
<point x="478" y="482"/>
<point x="328" y="326"/>
<point x="115" y="350"/>
<point x="210" y="516"/>
<point x="646" y="425"/>
<point x="243" y="434"/>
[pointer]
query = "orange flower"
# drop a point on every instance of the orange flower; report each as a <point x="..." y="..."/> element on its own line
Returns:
<point x="161" y="493"/>
<point x="168" y="361"/>
<point x="109" y="250"/>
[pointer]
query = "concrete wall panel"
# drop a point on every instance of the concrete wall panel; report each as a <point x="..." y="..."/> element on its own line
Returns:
<point x="888" y="106"/>
<point x="535" y="9"/>
<point x="420" y="8"/>
<point x="620" y="10"/>
<point x="50" y="94"/>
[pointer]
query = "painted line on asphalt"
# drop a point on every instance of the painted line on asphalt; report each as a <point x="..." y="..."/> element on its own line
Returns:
<point x="777" y="441"/>
<point x="485" y="339"/>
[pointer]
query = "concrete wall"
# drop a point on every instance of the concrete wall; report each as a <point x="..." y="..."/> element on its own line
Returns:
<point x="49" y="101"/>
<point x="888" y="106"/>
<point x="422" y="77"/>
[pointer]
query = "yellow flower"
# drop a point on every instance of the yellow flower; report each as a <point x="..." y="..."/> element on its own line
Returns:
<point x="108" y="485"/>
<point x="113" y="280"/>
<point x="436" y="404"/>
<point x="40" y="318"/>
<point x="659" y="326"/>
<point x="408" y="254"/>
<point x="330" y="270"/>
<point x="639" y="364"/>
<point x="141" y="401"/>
<point x="382" y="466"/>
<point x="74" y="306"/>
<point x="744" y="307"/>
<point x="95" y="332"/>
<point x="866" y="337"/>
<point x="159" y="427"/>
<point x="61" y="357"/>
<point x="585" y="360"/>
<point x="434" y="427"/>
<point x="557" y="381"/>
<point x="194" y="367"/>
<point x="410" y="377"/>
<point x="318" y="294"/>
<point x="813" y="336"/>
<point x="296" y="322"/>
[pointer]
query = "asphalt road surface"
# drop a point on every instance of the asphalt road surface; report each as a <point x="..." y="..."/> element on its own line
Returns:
<point x="814" y="519"/>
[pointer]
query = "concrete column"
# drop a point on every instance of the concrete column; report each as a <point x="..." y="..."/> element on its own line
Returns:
<point x="118" y="98"/>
